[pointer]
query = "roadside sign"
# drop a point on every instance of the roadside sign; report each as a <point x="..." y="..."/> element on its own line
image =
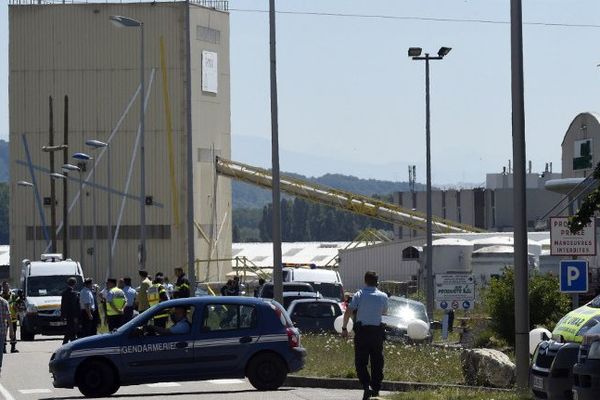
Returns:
<point x="573" y="276"/>
<point x="455" y="291"/>
<point x="563" y="242"/>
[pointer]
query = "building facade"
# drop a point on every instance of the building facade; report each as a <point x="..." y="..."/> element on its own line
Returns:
<point x="489" y="208"/>
<point x="73" y="50"/>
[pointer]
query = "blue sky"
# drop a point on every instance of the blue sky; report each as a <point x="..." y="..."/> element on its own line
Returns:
<point x="349" y="94"/>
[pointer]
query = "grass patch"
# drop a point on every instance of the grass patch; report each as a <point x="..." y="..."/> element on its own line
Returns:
<point x="456" y="394"/>
<point x="331" y="356"/>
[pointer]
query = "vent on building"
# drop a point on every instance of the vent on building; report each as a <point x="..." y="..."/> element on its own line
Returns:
<point x="328" y="246"/>
<point x="259" y="258"/>
<point x="207" y="34"/>
<point x="235" y="252"/>
<point x="318" y="258"/>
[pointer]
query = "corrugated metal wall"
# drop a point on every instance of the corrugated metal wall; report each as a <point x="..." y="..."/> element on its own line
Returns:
<point x="385" y="259"/>
<point x="73" y="49"/>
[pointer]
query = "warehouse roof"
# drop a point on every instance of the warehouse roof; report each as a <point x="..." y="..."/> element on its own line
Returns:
<point x="261" y="254"/>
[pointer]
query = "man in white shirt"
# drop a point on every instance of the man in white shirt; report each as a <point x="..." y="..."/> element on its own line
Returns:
<point x="88" y="307"/>
<point x="130" y="295"/>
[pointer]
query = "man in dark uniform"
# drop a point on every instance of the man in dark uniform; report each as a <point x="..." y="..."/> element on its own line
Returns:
<point x="370" y="304"/>
<point x="182" y="286"/>
<point x="69" y="310"/>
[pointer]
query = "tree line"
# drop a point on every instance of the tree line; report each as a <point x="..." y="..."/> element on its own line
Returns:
<point x="302" y="221"/>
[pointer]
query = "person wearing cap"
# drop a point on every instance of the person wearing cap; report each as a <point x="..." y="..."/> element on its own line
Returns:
<point x="115" y="305"/>
<point x="370" y="305"/>
<point x="69" y="310"/>
<point x="87" y="304"/>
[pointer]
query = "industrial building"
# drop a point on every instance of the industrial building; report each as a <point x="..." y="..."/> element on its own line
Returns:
<point x="73" y="50"/>
<point x="488" y="208"/>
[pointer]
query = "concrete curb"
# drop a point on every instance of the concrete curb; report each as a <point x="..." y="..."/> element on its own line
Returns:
<point x="388" y="386"/>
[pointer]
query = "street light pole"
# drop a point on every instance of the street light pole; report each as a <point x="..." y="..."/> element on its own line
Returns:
<point x="519" y="200"/>
<point x="75" y="168"/>
<point x="126" y="22"/>
<point x="415" y="54"/>
<point x="277" y="262"/>
<point x="95" y="145"/>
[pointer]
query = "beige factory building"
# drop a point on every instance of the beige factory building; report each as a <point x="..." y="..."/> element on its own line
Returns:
<point x="72" y="49"/>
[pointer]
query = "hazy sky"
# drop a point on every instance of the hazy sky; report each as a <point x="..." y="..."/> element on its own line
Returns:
<point x="348" y="91"/>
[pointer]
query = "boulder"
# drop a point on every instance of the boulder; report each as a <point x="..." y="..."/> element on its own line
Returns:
<point x="487" y="367"/>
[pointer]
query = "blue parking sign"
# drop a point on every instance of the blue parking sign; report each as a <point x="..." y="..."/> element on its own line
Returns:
<point x="573" y="276"/>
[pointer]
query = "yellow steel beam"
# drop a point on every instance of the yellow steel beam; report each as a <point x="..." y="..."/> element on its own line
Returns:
<point x="344" y="200"/>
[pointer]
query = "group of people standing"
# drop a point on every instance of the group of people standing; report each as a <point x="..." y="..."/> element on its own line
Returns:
<point x="118" y="301"/>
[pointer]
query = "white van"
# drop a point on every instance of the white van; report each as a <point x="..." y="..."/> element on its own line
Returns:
<point x="326" y="282"/>
<point x="42" y="283"/>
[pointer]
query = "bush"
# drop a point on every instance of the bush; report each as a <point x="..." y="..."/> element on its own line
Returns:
<point x="546" y="304"/>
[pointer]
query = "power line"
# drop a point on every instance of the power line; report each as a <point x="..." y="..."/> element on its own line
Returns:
<point x="417" y="18"/>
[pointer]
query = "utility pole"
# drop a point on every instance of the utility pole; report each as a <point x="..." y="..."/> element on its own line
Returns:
<point x="277" y="263"/>
<point x="65" y="231"/>
<point x="52" y="185"/>
<point x="520" y="205"/>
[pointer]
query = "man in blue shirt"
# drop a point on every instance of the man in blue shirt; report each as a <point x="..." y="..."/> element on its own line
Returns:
<point x="181" y="325"/>
<point x="370" y="305"/>
<point x="130" y="295"/>
<point x="88" y="307"/>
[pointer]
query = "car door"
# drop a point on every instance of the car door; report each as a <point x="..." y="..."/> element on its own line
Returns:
<point x="148" y="357"/>
<point x="226" y="336"/>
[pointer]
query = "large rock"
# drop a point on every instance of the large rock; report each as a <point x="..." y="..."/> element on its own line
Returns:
<point x="487" y="367"/>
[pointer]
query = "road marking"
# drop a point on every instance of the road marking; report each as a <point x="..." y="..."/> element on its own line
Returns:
<point x="5" y="393"/>
<point x="226" y="381"/>
<point x="163" y="384"/>
<point x="34" y="391"/>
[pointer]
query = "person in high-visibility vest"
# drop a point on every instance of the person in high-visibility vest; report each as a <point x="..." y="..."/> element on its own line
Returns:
<point x="115" y="304"/>
<point x="12" y="299"/>
<point x="157" y="294"/>
<point x="182" y="286"/>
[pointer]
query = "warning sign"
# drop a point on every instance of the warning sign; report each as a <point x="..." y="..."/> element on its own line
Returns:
<point x="563" y="242"/>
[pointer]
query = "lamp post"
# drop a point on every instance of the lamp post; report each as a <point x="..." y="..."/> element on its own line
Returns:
<point x="125" y="22"/>
<point x="29" y="185"/>
<point x="95" y="145"/>
<point x="75" y="168"/>
<point x="415" y="54"/>
<point x="86" y="157"/>
<point x="58" y="176"/>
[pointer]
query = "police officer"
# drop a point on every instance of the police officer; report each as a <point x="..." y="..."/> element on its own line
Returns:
<point x="182" y="286"/>
<point x="142" y="298"/>
<point x="157" y="294"/>
<point x="88" y="308"/>
<point x="130" y="295"/>
<point x="69" y="310"/>
<point x="370" y="304"/>
<point x="12" y="299"/>
<point x="115" y="305"/>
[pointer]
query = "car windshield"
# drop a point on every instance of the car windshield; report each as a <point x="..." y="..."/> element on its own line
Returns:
<point x="595" y="303"/>
<point x="405" y="310"/>
<point x="287" y="300"/>
<point x="50" y="285"/>
<point x="316" y="310"/>
<point x="329" y="290"/>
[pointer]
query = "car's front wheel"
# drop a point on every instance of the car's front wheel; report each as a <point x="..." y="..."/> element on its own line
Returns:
<point x="266" y="371"/>
<point x="96" y="379"/>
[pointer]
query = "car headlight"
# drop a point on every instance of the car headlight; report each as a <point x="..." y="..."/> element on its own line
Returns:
<point x="32" y="309"/>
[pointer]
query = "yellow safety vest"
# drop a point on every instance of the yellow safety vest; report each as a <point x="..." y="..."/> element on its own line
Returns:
<point x="154" y="293"/>
<point x="117" y="304"/>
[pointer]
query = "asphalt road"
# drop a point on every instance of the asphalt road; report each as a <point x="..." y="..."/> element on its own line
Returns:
<point x="25" y="376"/>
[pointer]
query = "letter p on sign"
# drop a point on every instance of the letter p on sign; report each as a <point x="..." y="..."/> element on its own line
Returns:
<point x="573" y="276"/>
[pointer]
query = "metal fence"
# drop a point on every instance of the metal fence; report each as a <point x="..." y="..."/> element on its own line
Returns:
<point x="221" y="5"/>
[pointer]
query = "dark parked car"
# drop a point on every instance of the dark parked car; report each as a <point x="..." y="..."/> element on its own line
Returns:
<point x="310" y="315"/>
<point x="401" y="311"/>
<point x="586" y="373"/>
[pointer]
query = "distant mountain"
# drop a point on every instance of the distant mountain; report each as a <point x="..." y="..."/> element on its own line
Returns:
<point x="249" y="196"/>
